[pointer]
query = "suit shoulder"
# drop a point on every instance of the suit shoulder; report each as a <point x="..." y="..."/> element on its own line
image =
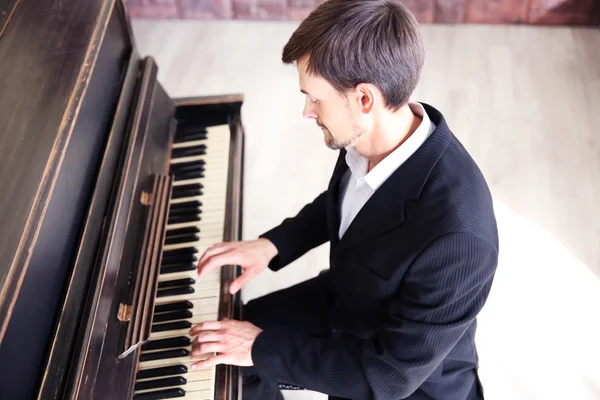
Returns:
<point x="456" y="196"/>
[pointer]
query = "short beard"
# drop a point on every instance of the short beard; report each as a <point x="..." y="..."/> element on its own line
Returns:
<point x="357" y="132"/>
<point x="334" y="144"/>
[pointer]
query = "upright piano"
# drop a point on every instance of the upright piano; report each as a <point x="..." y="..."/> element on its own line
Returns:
<point x="110" y="191"/>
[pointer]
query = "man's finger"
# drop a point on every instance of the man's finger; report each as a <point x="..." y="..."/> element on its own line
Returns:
<point x="241" y="280"/>
<point x="214" y="250"/>
<point x="212" y="361"/>
<point x="209" y="336"/>
<point x="210" y="347"/>
<point x="217" y="261"/>
<point x="206" y="326"/>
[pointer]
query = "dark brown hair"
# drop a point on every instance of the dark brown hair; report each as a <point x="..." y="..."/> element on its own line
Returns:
<point x="362" y="41"/>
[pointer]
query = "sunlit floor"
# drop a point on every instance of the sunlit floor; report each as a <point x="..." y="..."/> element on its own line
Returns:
<point x="524" y="101"/>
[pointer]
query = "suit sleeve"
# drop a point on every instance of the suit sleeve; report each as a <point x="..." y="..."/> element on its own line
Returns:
<point x="442" y="293"/>
<point x="295" y="236"/>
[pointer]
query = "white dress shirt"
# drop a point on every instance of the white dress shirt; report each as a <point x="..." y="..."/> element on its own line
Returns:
<point x="357" y="186"/>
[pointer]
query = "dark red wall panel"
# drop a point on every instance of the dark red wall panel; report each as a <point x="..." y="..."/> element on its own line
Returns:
<point x="153" y="8"/>
<point x="560" y="12"/>
<point x="424" y="10"/>
<point x="534" y="12"/>
<point x="496" y="11"/>
<point x="297" y="10"/>
<point x="207" y="9"/>
<point x="260" y="9"/>
<point x="450" y="11"/>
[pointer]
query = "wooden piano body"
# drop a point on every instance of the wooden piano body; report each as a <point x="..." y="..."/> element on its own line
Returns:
<point x="108" y="187"/>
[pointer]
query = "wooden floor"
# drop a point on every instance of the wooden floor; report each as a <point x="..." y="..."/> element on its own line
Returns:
<point x="526" y="104"/>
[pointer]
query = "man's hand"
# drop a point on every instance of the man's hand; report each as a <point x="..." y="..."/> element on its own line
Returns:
<point x="253" y="256"/>
<point x="233" y="341"/>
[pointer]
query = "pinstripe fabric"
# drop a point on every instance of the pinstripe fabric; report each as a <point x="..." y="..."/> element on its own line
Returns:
<point x="410" y="275"/>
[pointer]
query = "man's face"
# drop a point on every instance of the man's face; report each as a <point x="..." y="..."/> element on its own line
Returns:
<point x="333" y="112"/>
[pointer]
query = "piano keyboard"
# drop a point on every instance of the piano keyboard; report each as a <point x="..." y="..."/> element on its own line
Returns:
<point x="199" y="163"/>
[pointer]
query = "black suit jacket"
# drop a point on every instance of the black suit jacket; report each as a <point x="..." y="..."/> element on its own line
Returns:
<point x="410" y="274"/>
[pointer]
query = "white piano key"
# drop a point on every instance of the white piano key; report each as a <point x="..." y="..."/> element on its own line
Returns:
<point x="204" y="306"/>
<point x="202" y="283"/>
<point x="195" y="319"/>
<point x="173" y="361"/>
<point x="213" y="276"/>
<point x="186" y="362"/>
<point x="198" y="294"/>
<point x="197" y="386"/>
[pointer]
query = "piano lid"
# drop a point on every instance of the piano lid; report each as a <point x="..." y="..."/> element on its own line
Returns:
<point x="48" y="54"/>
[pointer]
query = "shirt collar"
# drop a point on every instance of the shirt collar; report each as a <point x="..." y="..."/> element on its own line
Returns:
<point x="358" y="164"/>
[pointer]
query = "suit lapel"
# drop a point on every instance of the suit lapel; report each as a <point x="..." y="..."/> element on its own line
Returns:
<point x="333" y="201"/>
<point x="385" y="209"/>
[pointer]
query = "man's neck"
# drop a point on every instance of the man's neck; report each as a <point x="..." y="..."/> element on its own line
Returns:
<point x="391" y="131"/>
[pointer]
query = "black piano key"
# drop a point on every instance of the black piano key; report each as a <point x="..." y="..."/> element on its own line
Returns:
<point x="180" y="305"/>
<point x="182" y="239"/>
<point x="176" y="260"/>
<point x="161" y="344"/>
<point x="171" y="269"/>
<point x="188" y="169"/>
<point x="175" y="283"/>
<point x="172" y="316"/>
<point x="190" y="175"/>
<point x="161" y="383"/>
<point x="183" y="259"/>
<point x="189" y="151"/>
<point x="188" y="187"/>
<point x="184" y="166"/>
<point x="186" y="130"/>
<point x="182" y="264"/>
<point x="163" y="355"/>
<point x="185" y="211"/>
<point x="162" y="371"/>
<point x="190" y="137"/>
<point x="175" y="291"/>
<point x="160" y="394"/>
<point x="180" y="252"/>
<point x="186" y="193"/>
<point x="183" y="231"/>
<point x="179" y="219"/>
<point x="171" y="326"/>
<point x="183" y="175"/>
<point x="186" y="204"/>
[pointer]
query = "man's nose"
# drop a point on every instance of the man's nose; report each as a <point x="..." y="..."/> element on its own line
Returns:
<point x="309" y="111"/>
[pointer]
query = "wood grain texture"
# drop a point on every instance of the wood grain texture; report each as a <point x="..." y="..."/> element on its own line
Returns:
<point x="99" y="373"/>
<point x="207" y="9"/>
<point x="36" y="120"/>
<point x="7" y="9"/>
<point x="52" y="136"/>
<point x="260" y="9"/>
<point x="63" y="347"/>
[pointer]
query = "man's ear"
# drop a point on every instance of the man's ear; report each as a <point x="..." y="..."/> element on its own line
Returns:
<point x="366" y="96"/>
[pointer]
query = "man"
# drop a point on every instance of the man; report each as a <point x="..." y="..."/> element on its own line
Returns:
<point x="410" y="221"/>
